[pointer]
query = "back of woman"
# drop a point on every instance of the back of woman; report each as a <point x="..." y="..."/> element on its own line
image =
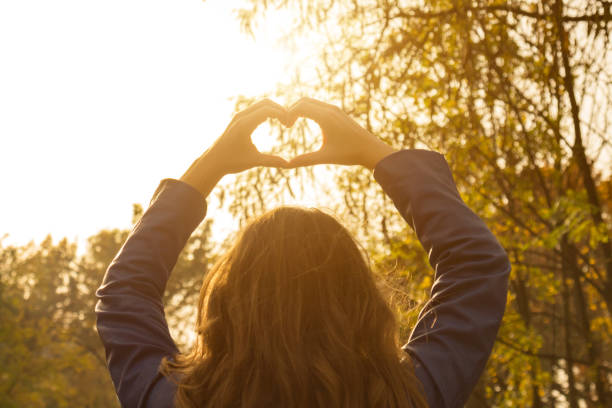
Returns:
<point x="291" y="316"/>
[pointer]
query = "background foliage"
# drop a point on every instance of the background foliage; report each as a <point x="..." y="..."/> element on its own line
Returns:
<point x="50" y="352"/>
<point x="516" y="94"/>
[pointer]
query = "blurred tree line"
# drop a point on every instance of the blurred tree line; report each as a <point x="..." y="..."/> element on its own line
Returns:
<point x="50" y="352"/>
<point x="516" y="94"/>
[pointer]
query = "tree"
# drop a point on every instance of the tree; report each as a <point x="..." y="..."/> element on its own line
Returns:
<point x="50" y="350"/>
<point x="517" y="95"/>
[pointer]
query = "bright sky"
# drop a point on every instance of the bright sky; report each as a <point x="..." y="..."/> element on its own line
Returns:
<point x="100" y="100"/>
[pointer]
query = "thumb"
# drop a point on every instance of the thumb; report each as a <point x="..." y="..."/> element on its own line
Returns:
<point x="308" y="159"/>
<point x="269" y="160"/>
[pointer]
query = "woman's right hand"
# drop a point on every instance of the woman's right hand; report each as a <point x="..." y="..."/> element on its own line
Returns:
<point x="344" y="141"/>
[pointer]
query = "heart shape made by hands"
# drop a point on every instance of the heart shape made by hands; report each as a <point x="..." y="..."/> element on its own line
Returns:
<point x="287" y="139"/>
<point x="344" y="141"/>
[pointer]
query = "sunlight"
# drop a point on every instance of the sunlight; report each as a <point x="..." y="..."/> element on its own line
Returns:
<point x="261" y="138"/>
<point x="502" y="229"/>
<point x="100" y="101"/>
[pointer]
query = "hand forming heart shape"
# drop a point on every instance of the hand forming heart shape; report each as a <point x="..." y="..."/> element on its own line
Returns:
<point x="344" y="141"/>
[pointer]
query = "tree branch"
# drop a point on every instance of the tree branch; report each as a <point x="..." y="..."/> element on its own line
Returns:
<point x="606" y="16"/>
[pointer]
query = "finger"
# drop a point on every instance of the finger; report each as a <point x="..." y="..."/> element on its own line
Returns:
<point x="309" y="159"/>
<point x="256" y="106"/>
<point x="269" y="160"/>
<point x="257" y="116"/>
<point x="317" y="102"/>
<point x="259" y="104"/>
<point x="311" y="109"/>
<point x="290" y="120"/>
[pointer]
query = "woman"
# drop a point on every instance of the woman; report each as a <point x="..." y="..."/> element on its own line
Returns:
<point x="290" y="316"/>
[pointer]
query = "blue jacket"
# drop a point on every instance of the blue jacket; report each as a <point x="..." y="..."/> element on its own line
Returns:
<point x="450" y="343"/>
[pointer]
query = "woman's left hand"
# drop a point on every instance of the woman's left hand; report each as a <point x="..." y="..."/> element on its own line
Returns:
<point x="234" y="151"/>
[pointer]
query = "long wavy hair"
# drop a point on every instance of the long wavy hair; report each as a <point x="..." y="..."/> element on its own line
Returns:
<point x="291" y="316"/>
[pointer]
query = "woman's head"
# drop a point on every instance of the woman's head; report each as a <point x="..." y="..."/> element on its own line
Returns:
<point x="291" y="316"/>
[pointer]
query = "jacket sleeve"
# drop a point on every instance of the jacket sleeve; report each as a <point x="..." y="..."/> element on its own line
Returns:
<point x="456" y="329"/>
<point x="130" y="314"/>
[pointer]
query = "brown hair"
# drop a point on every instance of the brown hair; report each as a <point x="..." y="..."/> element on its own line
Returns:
<point x="291" y="316"/>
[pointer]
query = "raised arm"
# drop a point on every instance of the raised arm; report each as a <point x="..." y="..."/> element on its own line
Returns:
<point x="456" y="329"/>
<point x="130" y="313"/>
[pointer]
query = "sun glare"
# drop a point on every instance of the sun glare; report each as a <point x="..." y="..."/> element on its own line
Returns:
<point x="99" y="101"/>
